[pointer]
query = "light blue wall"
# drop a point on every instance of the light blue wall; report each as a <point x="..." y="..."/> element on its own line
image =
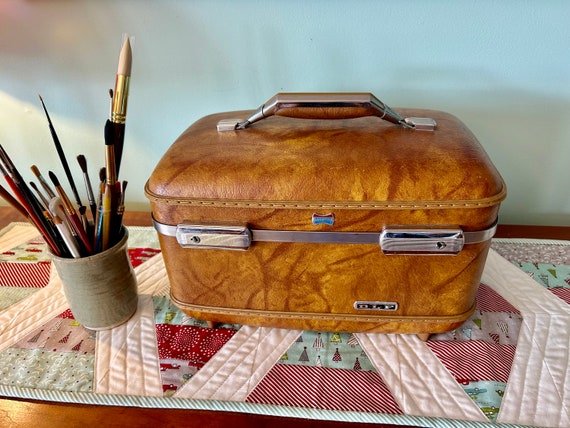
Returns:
<point x="502" y="67"/>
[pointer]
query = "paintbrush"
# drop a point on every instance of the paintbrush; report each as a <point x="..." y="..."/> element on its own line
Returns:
<point x="44" y="204"/>
<point x="120" y="208"/>
<point x="83" y="165"/>
<point x="63" y="224"/>
<point x="102" y="175"/>
<point x="122" y="200"/>
<point x="13" y="201"/>
<point x="42" y="181"/>
<point x="50" y="193"/>
<point x="67" y="237"/>
<point x="72" y="214"/>
<point x="100" y="190"/>
<point x="41" y="197"/>
<point x="61" y="155"/>
<point x="30" y="204"/>
<point x="104" y="220"/>
<point x="119" y="100"/>
<point x="107" y="209"/>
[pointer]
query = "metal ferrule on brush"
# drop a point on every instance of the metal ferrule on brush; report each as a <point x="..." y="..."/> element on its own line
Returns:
<point x="67" y="205"/>
<point x="120" y="98"/>
<point x="111" y="177"/>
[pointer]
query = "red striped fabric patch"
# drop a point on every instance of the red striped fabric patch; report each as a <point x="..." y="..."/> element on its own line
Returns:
<point x="563" y="293"/>
<point x="140" y="255"/>
<point x="475" y="360"/>
<point x="324" y="388"/>
<point x="488" y="300"/>
<point x="25" y="275"/>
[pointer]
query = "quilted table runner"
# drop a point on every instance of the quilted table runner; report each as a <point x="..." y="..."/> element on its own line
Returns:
<point x="508" y="365"/>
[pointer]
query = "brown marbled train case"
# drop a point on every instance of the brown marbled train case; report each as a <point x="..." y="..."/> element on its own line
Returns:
<point x="341" y="224"/>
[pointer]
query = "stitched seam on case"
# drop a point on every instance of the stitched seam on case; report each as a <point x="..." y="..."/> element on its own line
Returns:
<point x="450" y="204"/>
<point x="321" y="317"/>
<point x="296" y="205"/>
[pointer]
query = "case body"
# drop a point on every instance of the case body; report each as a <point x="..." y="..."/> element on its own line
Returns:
<point x="348" y="176"/>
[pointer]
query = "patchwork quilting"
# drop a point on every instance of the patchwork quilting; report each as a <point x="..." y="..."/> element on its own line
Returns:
<point x="492" y="368"/>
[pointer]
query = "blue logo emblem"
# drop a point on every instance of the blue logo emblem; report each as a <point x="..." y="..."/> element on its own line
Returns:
<point x="327" y="219"/>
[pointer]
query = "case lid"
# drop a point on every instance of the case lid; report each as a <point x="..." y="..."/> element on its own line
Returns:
<point x="354" y="163"/>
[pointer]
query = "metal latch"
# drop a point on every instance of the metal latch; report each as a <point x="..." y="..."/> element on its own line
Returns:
<point x="222" y="237"/>
<point x="395" y="240"/>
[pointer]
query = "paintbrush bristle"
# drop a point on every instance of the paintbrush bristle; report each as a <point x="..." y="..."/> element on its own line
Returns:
<point x="123" y="190"/>
<point x="45" y="109"/>
<point x="103" y="174"/>
<point x="125" y="59"/>
<point x="109" y="133"/>
<point x="54" y="179"/>
<point x="35" y="170"/>
<point x="82" y="163"/>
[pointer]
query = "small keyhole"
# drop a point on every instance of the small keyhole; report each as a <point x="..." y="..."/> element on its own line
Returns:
<point x="195" y="239"/>
<point x="441" y="245"/>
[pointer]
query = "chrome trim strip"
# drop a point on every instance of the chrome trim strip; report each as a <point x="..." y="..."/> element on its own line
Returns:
<point x="240" y="237"/>
<point x="315" y="237"/>
<point x="164" y="229"/>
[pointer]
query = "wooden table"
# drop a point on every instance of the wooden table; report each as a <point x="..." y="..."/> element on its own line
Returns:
<point x="16" y="413"/>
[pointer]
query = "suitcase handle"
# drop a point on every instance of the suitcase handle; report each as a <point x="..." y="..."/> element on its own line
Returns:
<point x="346" y="105"/>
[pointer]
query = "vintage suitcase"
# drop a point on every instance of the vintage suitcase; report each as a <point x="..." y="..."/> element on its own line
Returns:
<point x="338" y="222"/>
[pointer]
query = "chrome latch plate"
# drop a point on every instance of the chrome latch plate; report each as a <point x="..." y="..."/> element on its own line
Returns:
<point x="228" y="124"/>
<point x="223" y="237"/>
<point x="421" y="123"/>
<point x="401" y="240"/>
